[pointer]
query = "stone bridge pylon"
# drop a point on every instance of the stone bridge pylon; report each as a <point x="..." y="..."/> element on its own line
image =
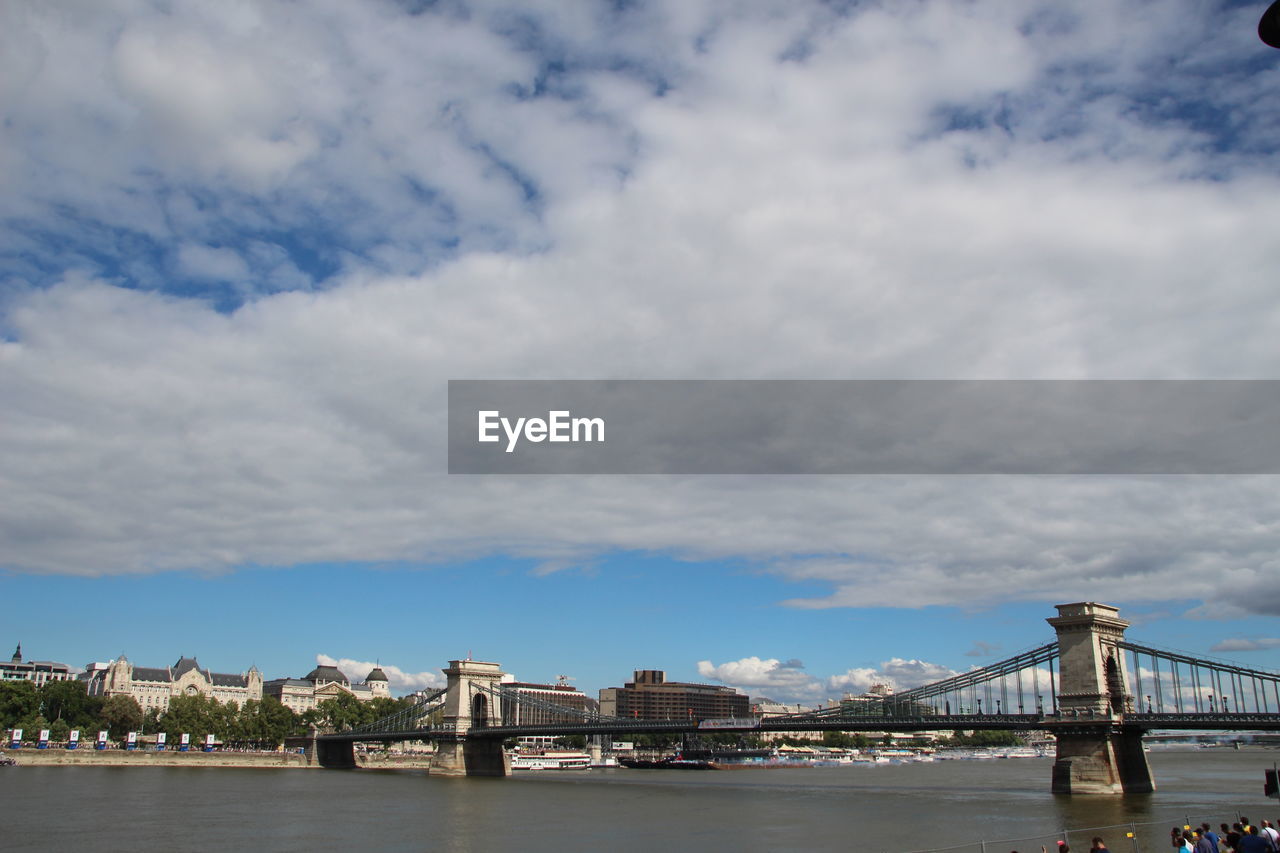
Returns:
<point x="1097" y="752"/>
<point x="466" y="709"/>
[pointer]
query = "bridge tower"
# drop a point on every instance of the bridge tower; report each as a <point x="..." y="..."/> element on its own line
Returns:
<point x="1097" y="752"/>
<point x="467" y="709"/>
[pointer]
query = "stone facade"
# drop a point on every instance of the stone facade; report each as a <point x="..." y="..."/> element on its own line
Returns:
<point x="326" y="682"/>
<point x="153" y="688"/>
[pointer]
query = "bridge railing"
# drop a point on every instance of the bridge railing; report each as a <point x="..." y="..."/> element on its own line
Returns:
<point x="415" y="717"/>
<point x="1163" y="681"/>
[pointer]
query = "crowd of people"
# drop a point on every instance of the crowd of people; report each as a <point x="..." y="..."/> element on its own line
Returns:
<point x="1240" y="837"/>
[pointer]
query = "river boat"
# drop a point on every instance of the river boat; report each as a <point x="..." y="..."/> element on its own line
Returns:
<point x="674" y="763"/>
<point x="551" y="761"/>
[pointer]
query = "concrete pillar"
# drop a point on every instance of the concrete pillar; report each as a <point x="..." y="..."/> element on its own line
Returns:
<point x="1097" y="753"/>
<point x="460" y="752"/>
<point x="336" y="755"/>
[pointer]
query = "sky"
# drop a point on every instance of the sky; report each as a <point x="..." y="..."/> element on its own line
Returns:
<point x="244" y="246"/>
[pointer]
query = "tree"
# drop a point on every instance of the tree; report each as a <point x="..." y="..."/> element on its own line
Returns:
<point x="120" y="715"/>
<point x="19" y="701"/>
<point x="68" y="702"/>
<point x="987" y="738"/>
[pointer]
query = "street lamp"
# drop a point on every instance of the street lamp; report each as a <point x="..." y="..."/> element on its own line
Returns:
<point x="1269" y="26"/>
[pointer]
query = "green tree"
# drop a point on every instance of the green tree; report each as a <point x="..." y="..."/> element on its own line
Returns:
<point x="192" y="715"/>
<point x="987" y="738"/>
<point x="120" y="715"/>
<point x="340" y="713"/>
<point x="68" y="702"/>
<point x="19" y="701"/>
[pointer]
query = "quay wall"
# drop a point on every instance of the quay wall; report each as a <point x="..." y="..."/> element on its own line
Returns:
<point x="173" y="758"/>
<point x="141" y="758"/>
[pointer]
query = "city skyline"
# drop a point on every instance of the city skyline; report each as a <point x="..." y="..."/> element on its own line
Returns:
<point x="244" y="248"/>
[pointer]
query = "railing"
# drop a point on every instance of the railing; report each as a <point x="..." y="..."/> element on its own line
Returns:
<point x="1176" y="682"/>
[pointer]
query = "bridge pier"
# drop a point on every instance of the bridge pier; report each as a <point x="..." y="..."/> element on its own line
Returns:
<point x="470" y="757"/>
<point x="1096" y="753"/>
<point x="1101" y="760"/>
<point x="335" y="755"/>
<point x="467" y="709"/>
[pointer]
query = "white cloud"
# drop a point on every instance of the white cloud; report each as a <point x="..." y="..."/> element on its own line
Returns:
<point x="897" y="673"/>
<point x="400" y="681"/>
<point x="1245" y="644"/>
<point x="788" y="680"/>
<point x="757" y="677"/>
<point x="942" y="190"/>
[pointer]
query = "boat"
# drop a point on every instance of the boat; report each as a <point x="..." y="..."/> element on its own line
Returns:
<point x="551" y="761"/>
<point x="673" y="763"/>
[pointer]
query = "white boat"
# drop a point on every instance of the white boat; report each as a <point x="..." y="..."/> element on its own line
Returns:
<point x="551" y="761"/>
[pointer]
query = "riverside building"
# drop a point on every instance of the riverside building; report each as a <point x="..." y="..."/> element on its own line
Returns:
<point x="544" y="696"/>
<point x="153" y="687"/>
<point x="651" y="697"/>
<point x="38" y="671"/>
<point x="326" y="682"/>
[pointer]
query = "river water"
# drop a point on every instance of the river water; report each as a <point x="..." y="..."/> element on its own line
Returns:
<point x="909" y="807"/>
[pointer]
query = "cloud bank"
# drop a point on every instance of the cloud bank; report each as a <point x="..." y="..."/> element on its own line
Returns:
<point x="247" y="246"/>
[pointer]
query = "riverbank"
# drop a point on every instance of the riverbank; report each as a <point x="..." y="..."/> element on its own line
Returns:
<point x="172" y="758"/>
<point x="151" y="758"/>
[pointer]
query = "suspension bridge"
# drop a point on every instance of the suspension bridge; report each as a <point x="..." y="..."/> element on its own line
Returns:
<point x="1096" y="692"/>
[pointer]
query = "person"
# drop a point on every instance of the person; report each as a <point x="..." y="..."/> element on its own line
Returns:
<point x="1203" y="844"/>
<point x="1252" y="842"/>
<point x="1207" y="831"/>
<point x="1233" y="837"/>
<point x="1270" y="832"/>
<point x="1098" y="846"/>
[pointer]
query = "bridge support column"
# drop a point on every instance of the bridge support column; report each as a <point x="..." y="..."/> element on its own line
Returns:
<point x="336" y="755"/>
<point x="1101" y="760"/>
<point x="470" y="757"/>
<point x="1097" y="754"/>
<point x="467" y="709"/>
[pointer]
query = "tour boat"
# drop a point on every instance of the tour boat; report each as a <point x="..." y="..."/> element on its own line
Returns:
<point x="551" y="761"/>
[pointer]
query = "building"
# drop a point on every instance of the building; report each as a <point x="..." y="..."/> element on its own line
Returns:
<point x="539" y="703"/>
<point x="153" y="688"/>
<point x="39" y="671"/>
<point x="326" y="682"/>
<point x="652" y="697"/>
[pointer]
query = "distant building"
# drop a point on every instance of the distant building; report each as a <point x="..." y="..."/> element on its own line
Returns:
<point x="153" y="688"/>
<point x="39" y="671"/>
<point x="652" y="697"/>
<point x="326" y="682"/>
<point x="544" y="700"/>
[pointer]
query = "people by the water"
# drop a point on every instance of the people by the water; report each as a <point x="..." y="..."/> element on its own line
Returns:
<point x="1099" y="846"/>
<point x="1252" y="842"/>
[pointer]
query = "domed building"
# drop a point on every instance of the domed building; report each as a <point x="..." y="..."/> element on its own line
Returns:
<point x="326" y="682"/>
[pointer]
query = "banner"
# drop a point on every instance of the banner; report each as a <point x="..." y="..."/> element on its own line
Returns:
<point x="186" y="743"/>
<point x="131" y="740"/>
<point x="160" y="741"/>
<point x="43" y="742"/>
<point x="15" y="739"/>
<point x="73" y="740"/>
<point x="208" y="743"/>
<point x="102" y="740"/>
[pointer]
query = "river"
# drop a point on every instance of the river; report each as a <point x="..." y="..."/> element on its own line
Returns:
<point x="909" y="807"/>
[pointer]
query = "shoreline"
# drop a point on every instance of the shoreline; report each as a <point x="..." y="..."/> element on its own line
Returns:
<point x="152" y="758"/>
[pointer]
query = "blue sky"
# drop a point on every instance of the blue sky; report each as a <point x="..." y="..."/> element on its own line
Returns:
<point x="243" y="248"/>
